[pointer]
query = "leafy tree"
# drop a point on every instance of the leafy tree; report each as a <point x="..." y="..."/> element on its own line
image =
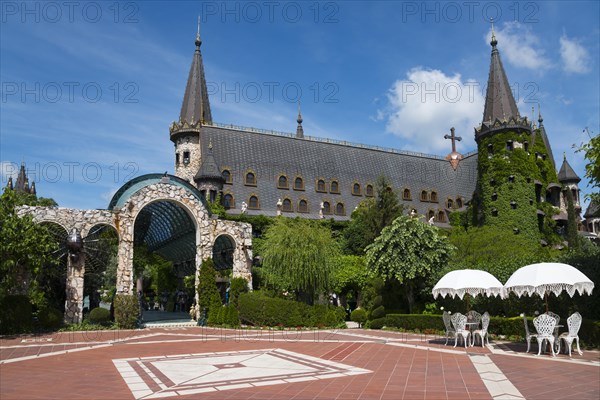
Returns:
<point x="297" y="255"/>
<point x="408" y="250"/>
<point x="572" y="235"/>
<point x="591" y="151"/>
<point x="371" y="217"/>
<point x="24" y="247"/>
<point x="350" y="276"/>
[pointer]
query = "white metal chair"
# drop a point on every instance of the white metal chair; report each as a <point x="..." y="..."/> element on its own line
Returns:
<point x="474" y="316"/>
<point x="459" y="322"/>
<point x="528" y="335"/>
<point x="555" y="316"/>
<point x="483" y="332"/>
<point x="544" y="324"/>
<point x="450" y="332"/>
<point x="574" y="323"/>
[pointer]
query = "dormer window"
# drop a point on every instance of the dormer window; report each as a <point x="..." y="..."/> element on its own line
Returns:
<point x="494" y="196"/>
<point x="369" y="191"/>
<point x="334" y="187"/>
<point x="490" y="148"/>
<point x="513" y="205"/>
<point x="494" y="212"/>
<point x="511" y="179"/>
<point x="526" y="146"/>
<point x="250" y="179"/>
<point x="287" y="205"/>
<point x="326" y="207"/>
<point x="253" y="203"/>
<point x="450" y="204"/>
<point x="228" y="201"/>
<point x="509" y="145"/>
<point x="459" y="203"/>
<point x="424" y="195"/>
<point x="303" y="206"/>
<point x="441" y="216"/>
<point x="321" y="186"/>
<point x="226" y="174"/>
<point x="298" y="183"/>
<point x="340" y="209"/>
<point x="282" y="182"/>
<point x="406" y="195"/>
<point x="433" y="197"/>
<point x="356" y="189"/>
<point x="186" y="157"/>
<point x="176" y="158"/>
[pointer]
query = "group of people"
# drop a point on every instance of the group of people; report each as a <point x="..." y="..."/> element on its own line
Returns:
<point x="179" y="297"/>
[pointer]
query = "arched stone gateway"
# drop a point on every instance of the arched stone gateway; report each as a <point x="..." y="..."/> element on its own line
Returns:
<point x="158" y="199"/>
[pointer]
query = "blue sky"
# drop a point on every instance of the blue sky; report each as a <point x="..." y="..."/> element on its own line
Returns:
<point x="89" y="89"/>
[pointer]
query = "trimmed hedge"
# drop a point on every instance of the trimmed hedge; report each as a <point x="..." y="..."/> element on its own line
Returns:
<point x="224" y="316"/>
<point x="127" y="311"/>
<point x="589" y="332"/>
<point x="15" y="315"/>
<point x="359" y="316"/>
<point x="259" y="310"/>
<point x="50" y="318"/>
<point x="99" y="315"/>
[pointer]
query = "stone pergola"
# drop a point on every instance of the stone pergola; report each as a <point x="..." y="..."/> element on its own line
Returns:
<point x="125" y="207"/>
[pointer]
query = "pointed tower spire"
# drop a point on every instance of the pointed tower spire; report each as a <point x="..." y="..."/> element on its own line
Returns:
<point x="566" y="173"/>
<point x="500" y="111"/>
<point x="196" y="107"/>
<point x="540" y="119"/>
<point x="299" y="129"/>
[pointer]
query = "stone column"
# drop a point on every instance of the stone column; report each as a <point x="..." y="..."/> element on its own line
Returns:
<point x="74" y="302"/>
<point x="125" y="257"/>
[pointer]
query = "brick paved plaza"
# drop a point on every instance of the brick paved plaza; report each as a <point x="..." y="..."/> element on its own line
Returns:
<point x="194" y="362"/>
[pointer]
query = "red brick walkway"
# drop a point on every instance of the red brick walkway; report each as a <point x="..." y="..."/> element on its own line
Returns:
<point x="80" y="365"/>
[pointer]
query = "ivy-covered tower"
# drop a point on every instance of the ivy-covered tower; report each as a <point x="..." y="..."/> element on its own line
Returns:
<point x="195" y="112"/>
<point x="515" y="168"/>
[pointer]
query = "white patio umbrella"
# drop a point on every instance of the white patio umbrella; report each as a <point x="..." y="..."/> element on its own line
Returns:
<point x="544" y="278"/>
<point x="467" y="281"/>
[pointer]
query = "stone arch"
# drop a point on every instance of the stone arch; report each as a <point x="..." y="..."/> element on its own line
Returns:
<point x="222" y="253"/>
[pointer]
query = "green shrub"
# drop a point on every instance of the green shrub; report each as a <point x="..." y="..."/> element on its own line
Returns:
<point x="377" y="323"/>
<point x="377" y="313"/>
<point x="127" y="311"/>
<point x="50" y="318"/>
<point x="255" y="308"/>
<point x="377" y="302"/>
<point x="231" y="318"/>
<point x="99" y="316"/>
<point x="359" y="316"/>
<point x="237" y="286"/>
<point x="418" y="322"/>
<point x="15" y="315"/>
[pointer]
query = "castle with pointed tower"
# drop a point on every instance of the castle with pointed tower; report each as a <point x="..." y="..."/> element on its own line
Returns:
<point x="511" y="181"/>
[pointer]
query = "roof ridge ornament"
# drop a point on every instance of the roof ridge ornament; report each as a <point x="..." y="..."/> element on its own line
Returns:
<point x="299" y="129"/>
<point x="494" y="42"/>
<point x="198" y="40"/>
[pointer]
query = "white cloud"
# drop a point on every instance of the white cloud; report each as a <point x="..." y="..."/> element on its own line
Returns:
<point x="520" y="47"/>
<point x="428" y="103"/>
<point x="575" y="57"/>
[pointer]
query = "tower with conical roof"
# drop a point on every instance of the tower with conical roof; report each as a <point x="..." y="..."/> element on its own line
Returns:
<point x="516" y="177"/>
<point x="195" y="112"/>
<point x="569" y="180"/>
<point x="22" y="183"/>
<point x="209" y="178"/>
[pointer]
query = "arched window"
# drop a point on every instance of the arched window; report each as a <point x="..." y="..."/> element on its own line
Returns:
<point x="430" y="214"/>
<point x="334" y="187"/>
<point x="369" y="191"/>
<point x="433" y="197"/>
<point x="253" y="203"/>
<point x="250" y="179"/>
<point x="424" y="195"/>
<point x="186" y="157"/>
<point x="228" y="201"/>
<point x="326" y="207"/>
<point x="226" y="174"/>
<point x="356" y="189"/>
<point x="298" y="183"/>
<point x="287" y="205"/>
<point x="339" y="209"/>
<point x="282" y="182"/>
<point x="459" y="203"/>
<point x="441" y="216"/>
<point x="303" y="206"/>
<point x="450" y="204"/>
<point x="321" y="186"/>
<point x="406" y="195"/>
<point x="176" y="158"/>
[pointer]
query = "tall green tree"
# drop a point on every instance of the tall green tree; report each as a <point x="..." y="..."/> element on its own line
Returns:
<point x="371" y="216"/>
<point x="572" y="235"/>
<point x="350" y="277"/>
<point x="297" y="256"/>
<point x="408" y="250"/>
<point x="591" y="151"/>
<point x="24" y="246"/>
<point x="208" y="294"/>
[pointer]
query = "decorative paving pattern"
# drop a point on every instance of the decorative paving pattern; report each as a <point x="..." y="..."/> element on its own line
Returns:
<point x="494" y="379"/>
<point x="173" y="375"/>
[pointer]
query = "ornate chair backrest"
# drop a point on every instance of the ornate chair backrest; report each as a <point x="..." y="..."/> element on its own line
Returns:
<point x="459" y="321"/>
<point x="526" y="326"/>
<point x="485" y="321"/>
<point x="447" y="323"/>
<point x="544" y="325"/>
<point x="555" y="316"/>
<point x="473" y="316"/>
<point x="574" y="323"/>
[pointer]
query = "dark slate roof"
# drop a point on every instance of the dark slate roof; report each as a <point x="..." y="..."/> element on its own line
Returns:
<point x="195" y="107"/>
<point x="499" y="101"/>
<point x="209" y="169"/>
<point x="270" y="155"/>
<point x="546" y="141"/>
<point x="566" y="173"/>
